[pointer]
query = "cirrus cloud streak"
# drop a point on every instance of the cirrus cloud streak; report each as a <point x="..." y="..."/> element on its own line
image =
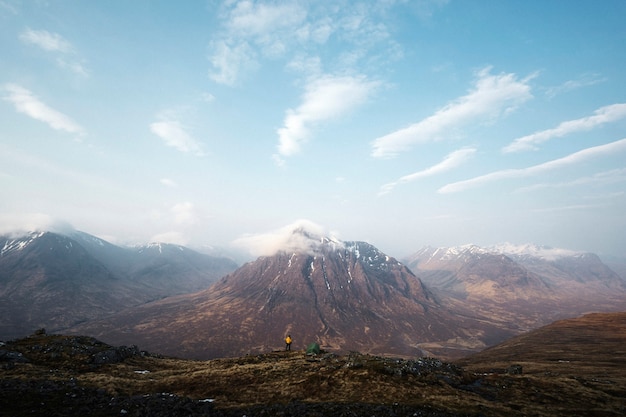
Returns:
<point x="574" y="158"/>
<point x="451" y="161"/>
<point x="27" y="103"/>
<point x="601" y="116"/>
<point x="175" y="135"/>
<point x="491" y="96"/>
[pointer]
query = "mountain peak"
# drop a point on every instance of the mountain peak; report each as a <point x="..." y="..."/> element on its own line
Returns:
<point x="302" y="236"/>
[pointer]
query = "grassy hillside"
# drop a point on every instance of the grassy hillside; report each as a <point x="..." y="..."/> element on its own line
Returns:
<point x="69" y="375"/>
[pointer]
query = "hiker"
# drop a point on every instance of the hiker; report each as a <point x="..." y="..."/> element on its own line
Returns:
<point x="288" y="342"/>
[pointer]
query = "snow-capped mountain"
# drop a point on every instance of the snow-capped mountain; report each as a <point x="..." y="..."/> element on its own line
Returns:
<point x="56" y="280"/>
<point x="343" y="295"/>
<point x="530" y="284"/>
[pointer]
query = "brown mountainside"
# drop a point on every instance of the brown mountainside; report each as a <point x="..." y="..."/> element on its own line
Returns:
<point x="344" y="296"/>
<point x="523" y="287"/>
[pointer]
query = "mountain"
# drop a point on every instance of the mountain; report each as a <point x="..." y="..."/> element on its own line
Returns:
<point x="567" y="270"/>
<point x="342" y="295"/>
<point x="55" y="280"/>
<point x="528" y="285"/>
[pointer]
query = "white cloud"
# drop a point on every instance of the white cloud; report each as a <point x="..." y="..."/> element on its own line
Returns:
<point x="491" y="96"/>
<point x="74" y="66"/>
<point x="22" y="223"/>
<point x="55" y="43"/>
<point x="251" y="29"/>
<point x="300" y="236"/>
<point x="451" y="161"/>
<point x="229" y="61"/>
<point x="184" y="213"/>
<point x="325" y="98"/>
<point x="263" y="19"/>
<point x="568" y="208"/>
<point x="48" y="41"/>
<point x="168" y="182"/>
<point x="175" y="238"/>
<point x="584" y="81"/>
<point x="575" y="158"/>
<point x="601" y="116"/>
<point x="176" y="136"/>
<point x="27" y="103"/>
<point x="600" y="178"/>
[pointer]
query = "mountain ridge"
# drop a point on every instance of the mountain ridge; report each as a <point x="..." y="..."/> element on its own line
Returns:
<point x="57" y="280"/>
<point x="342" y="295"/>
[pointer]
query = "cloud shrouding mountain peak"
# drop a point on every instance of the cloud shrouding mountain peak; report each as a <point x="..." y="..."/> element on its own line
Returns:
<point x="299" y="236"/>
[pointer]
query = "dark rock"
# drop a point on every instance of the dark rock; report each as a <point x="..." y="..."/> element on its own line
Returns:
<point x="12" y="356"/>
<point x="514" y="370"/>
<point x="115" y="355"/>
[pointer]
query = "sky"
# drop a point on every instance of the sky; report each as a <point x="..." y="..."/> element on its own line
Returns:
<point x="402" y="123"/>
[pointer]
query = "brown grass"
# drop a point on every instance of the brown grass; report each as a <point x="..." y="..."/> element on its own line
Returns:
<point x="556" y="381"/>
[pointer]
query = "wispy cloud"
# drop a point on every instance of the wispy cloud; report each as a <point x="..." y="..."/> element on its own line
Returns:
<point x="6" y="5"/>
<point x="324" y="98"/>
<point x="572" y="159"/>
<point x="173" y="237"/>
<point x="174" y="134"/>
<point x="168" y="182"/>
<point x="53" y="42"/>
<point x="27" y="103"/>
<point x="185" y="213"/>
<point x="492" y="96"/>
<point x="229" y="61"/>
<point x="251" y="29"/>
<point x="451" y="161"/>
<point x="584" y="81"/>
<point x="606" y="177"/>
<point x="181" y="219"/>
<point x="254" y="31"/>
<point x="601" y="116"/>
<point x="264" y="20"/>
<point x="426" y="8"/>
<point x="568" y="208"/>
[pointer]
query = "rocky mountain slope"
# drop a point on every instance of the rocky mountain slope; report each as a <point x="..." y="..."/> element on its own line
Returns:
<point x="55" y="281"/>
<point x="571" y="368"/>
<point x="342" y="295"/>
<point x="526" y="285"/>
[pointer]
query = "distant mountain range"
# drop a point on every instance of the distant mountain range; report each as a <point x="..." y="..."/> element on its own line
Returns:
<point x="342" y="295"/>
<point x="527" y="286"/>
<point x="55" y="281"/>
<point x="445" y="302"/>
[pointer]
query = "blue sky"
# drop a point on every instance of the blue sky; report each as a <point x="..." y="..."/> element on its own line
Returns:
<point x="400" y="123"/>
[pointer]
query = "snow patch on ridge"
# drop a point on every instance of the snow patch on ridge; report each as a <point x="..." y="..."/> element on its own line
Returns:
<point x="20" y="243"/>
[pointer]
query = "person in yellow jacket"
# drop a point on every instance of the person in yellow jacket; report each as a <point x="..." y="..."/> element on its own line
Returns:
<point x="288" y="342"/>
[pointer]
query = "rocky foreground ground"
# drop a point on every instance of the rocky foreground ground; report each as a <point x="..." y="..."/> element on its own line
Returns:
<point x="54" y="375"/>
